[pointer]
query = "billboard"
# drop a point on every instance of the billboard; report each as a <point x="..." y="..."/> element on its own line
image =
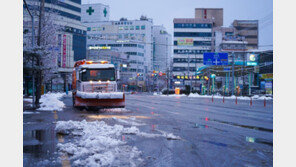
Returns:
<point x="185" y="42"/>
<point x="252" y="59"/>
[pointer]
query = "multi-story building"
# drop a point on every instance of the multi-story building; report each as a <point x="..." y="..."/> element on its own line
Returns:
<point x="131" y="37"/>
<point x="249" y="30"/>
<point x="216" y="14"/>
<point x="162" y="50"/>
<point x="192" y="38"/>
<point x="70" y="39"/>
<point x="220" y="34"/>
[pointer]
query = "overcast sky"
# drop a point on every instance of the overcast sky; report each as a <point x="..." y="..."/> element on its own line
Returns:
<point x="164" y="11"/>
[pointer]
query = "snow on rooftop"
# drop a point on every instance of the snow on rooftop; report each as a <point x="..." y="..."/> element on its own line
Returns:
<point x="51" y="101"/>
<point x="98" y="144"/>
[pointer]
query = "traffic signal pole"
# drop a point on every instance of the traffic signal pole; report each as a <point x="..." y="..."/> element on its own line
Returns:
<point x="232" y="86"/>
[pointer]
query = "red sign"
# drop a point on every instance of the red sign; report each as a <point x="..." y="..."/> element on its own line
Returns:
<point x="64" y="50"/>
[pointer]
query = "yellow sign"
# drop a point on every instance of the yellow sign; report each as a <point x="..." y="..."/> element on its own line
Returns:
<point x="182" y="77"/>
<point x="99" y="47"/>
<point x="178" y="77"/>
<point x="186" y="77"/>
<point x="197" y="77"/>
<point x="267" y="76"/>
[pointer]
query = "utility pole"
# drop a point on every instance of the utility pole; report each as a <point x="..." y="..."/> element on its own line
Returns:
<point x="208" y="82"/>
<point x="33" y="36"/>
<point x="232" y="86"/>
<point x="188" y="70"/>
<point x="39" y="73"/>
<point x="195" y="69"/>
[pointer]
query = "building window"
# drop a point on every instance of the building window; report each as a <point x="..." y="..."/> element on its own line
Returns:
<point x="120" y="28"/>
<point x="137" y="27"/>
<point x="125" y="27"/>
<point x="131" y="27"/>
<point x="88" y="28"/>
<point x="143" y="27"/>
<point x="192" y="25"/>
<point x="192" y="34"/>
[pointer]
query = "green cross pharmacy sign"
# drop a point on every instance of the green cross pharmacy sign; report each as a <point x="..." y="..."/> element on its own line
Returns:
<point x="105" y="12"/>
<point x="90" y="10"/>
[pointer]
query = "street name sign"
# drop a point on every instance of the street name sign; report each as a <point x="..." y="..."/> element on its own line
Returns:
<point x="212" y="58"/>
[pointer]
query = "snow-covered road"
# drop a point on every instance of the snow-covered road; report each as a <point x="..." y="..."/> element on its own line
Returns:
<point x="153" y="131"/>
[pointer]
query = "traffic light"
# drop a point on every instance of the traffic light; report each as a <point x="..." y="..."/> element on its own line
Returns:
<point x="138" y="74"/>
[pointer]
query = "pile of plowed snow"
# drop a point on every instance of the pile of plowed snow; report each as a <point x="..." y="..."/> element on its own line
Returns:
<point x="98" y="144"/>
<point x="51" y="101"/>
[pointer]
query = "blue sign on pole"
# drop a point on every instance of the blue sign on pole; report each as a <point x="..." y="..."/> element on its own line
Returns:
<point x="212" y="58"/>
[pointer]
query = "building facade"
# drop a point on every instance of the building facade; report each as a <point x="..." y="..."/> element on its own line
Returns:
<point x="162" y="49"/>
<point x="192" y="38"/>
<point x="72" y="39"/>
<point x="249" y="30"/>
<point x="216" y="14"/>
<point x="131" y="37"/>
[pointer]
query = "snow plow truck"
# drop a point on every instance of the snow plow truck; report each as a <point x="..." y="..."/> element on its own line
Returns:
<point x="94" y="85"/>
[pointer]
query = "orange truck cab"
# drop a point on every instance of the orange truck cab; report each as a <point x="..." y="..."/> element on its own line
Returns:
<point x="94" y="85"/>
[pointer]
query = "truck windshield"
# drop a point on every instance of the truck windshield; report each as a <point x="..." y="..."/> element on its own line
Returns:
<point x="97" y="74"/>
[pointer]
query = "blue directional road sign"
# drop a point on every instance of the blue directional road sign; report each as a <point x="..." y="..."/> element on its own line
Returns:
<point x="212" y="58"/>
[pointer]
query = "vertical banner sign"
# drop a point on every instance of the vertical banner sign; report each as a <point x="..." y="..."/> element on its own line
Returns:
<point x="64" y="50"/>
<point x="59" y="50"/>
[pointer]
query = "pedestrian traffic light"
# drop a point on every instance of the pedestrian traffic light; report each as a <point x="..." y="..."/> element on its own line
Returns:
<point x="138" y="74"/>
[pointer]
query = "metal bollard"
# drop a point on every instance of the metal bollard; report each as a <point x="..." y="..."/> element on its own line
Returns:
<point x="223" y="99"/>
<point x="213" y="98"/>
<point x="264" y="102"/>
<point x="251" y="102"/>
<point x="236" y="100"/>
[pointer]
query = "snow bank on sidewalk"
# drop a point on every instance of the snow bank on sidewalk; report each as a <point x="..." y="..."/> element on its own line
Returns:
<point x="255" y="97"/>
<point x="51" y="101"/>
<point x="98" y="144"/>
